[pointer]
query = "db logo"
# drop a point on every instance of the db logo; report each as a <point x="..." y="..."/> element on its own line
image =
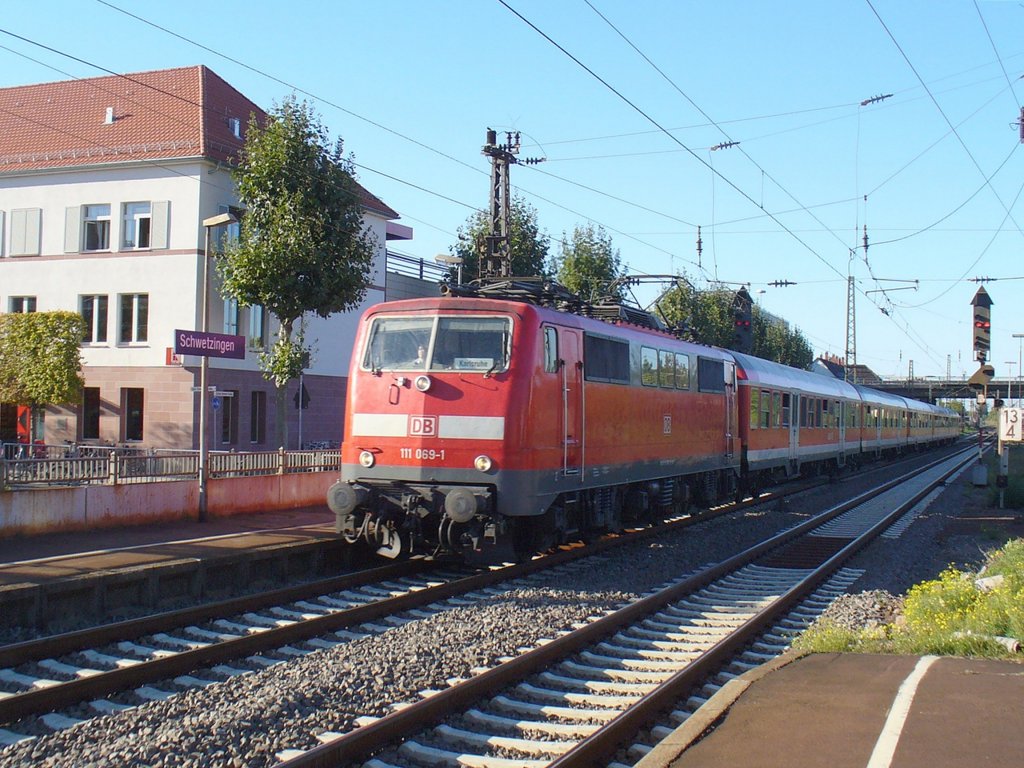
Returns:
<point x="423" y="426"/>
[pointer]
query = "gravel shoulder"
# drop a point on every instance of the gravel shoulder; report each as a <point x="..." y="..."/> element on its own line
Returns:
<point x="246" y="720"/>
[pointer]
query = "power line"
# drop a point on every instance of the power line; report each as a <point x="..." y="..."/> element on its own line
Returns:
<point x="959" y="138"/>
<point x="661" y="128"/>
<point x="333" y="104"/>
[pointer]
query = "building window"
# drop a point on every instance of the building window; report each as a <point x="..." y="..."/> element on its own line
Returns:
<point x="135" y="226"/>
<point x="229" y="417"/>
<point x="89" y="427"/>
<point x="94" y="312"/>
<point x="96" y="223"/>
<point x="132" y="401"/>
<point x="228" y="234"/>
<point x="231" y="316"/>
<point x="257" y="327"/>
<point x="258" y="418"/>
<point x="134" y="318"/>
<point x="21" y="304"/>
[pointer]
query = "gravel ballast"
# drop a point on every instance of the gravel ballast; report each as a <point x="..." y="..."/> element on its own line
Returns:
<point x="248" y="719"/>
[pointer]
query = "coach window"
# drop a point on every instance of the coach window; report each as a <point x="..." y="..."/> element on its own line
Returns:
<point x="766" y="409"/>
<point x="755" y="408"/>
<point x="667" y="370"/>
<point x="776" y="409"/>
<point x="785" y="409"/>
<point x="648" y="367"/>
<point x="550" y="349"/>
<point x="682" y="371"/>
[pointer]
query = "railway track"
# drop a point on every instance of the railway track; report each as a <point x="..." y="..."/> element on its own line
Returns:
<point x="110" y="668"/>
<point x="57" y="682"/>
<point x="578" y="699"/>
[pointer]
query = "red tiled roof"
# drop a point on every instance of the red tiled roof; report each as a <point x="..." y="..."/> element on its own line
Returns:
<point x="156" y="116"/>
<point x="159" y="115"/>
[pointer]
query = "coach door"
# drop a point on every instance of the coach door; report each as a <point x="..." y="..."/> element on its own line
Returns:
<point x="793" y="414"/>
<point x="573" y="424"/>
<point x="731" y="431"/>
<point x="843" y="405"/>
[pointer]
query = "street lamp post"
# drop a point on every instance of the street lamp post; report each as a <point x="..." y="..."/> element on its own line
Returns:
<point x="1020" y="343"/>
<point x="451" y="261"/>
<point x="1009" y="380"/>
<point x="209" y="224"/>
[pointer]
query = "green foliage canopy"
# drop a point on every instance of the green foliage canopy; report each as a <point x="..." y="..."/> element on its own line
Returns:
<point x="528" y="246"/>
<point x="40" y="358"/>
<point x="302" y="246"/>
<point x="709" y="319"/>
<point x="589" y="262"/>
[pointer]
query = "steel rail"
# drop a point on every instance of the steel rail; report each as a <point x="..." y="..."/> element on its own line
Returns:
<point x="360" y="744"/>
<point x="69" y="642"/>
<point x="105" y="683"/>
<point x="602" y="744"/>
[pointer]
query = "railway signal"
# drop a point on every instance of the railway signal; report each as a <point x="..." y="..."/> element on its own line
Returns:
<point x="982" y="304"/>
<point x="742" y="312"/>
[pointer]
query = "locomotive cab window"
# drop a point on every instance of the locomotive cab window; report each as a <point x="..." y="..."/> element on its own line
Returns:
<point x="550" y="349"/>
<point x="470" y="344"/>
<point x="473" y="344"/>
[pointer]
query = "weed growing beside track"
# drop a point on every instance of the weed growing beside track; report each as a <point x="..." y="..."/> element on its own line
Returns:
<point x="957" y="614"/>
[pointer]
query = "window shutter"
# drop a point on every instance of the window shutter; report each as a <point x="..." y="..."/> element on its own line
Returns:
<point x="25" y="232"/>
<point x="159" y="219"/>
<point x="73" y="229"/>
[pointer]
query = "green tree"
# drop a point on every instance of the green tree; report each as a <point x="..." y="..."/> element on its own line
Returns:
<point x="302" y="245"/>
<point x="708" y="318"/>
<point x="589" y="263"/>
<point x="528" y="246"/>
<point x="40" y="358"/>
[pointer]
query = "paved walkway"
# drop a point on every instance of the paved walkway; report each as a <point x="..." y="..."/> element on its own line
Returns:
<point x="857" y="711"/>
<point x="34" y="559"/>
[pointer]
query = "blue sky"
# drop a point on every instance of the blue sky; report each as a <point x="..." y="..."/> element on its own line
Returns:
<point x="935" y="171"/>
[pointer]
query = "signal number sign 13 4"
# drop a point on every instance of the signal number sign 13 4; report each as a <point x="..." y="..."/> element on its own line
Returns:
<point x="1011" y="428"/>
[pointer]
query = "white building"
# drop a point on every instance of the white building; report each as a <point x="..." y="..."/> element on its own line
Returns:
<point x="104" y="185"/>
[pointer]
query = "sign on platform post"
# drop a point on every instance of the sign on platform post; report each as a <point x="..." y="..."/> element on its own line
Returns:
<point x="1010" y="425"/>
<point x="207" y="344"/>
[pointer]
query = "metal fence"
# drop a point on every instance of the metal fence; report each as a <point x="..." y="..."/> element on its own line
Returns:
<point x="113" y="466"/>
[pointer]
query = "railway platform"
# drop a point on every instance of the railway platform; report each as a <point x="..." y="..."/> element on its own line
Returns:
<point x="48" y="576"/>
<point x="857" y="711"/>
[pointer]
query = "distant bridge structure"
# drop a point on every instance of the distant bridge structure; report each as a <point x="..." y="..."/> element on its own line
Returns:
<point x="932" y="389"/>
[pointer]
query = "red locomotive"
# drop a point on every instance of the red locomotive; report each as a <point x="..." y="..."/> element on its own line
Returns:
<point x="493" y="427"/>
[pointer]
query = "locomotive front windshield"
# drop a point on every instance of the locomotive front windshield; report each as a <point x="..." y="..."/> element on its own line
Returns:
<point x="469" y="344"/>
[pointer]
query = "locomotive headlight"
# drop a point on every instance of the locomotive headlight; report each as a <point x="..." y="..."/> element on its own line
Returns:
<point x="422" y="383"/>
<point x="367" y="459"/>
<point x="482" y="463"/>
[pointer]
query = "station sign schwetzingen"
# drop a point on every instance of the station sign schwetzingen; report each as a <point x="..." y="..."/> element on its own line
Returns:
<point x="207" y="344"/>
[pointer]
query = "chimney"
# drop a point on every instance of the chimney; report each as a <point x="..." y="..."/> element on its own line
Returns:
<point x="109" y="119"/>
